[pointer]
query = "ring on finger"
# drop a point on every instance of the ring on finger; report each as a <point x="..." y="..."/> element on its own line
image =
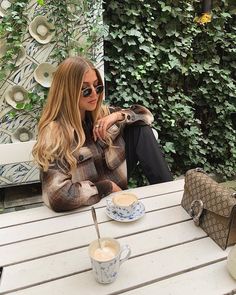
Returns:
<point x="97" y="126"/>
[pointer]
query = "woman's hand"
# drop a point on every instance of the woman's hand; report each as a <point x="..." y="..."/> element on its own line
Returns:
<point x="101" y="126"/>
<point x="115" y="187"/>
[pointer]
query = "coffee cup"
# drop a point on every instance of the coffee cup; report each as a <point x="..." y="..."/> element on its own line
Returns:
<point x="123" y="203"/>
<point x="106" y="260"/>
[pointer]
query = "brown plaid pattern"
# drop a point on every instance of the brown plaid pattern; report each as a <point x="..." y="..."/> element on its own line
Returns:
<point x="98" y="165"/>
<point x="218" y="218"/>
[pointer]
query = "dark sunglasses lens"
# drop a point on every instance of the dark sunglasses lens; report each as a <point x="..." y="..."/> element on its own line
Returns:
<point x="99" y="89"/>
<point x="87" y="92"/>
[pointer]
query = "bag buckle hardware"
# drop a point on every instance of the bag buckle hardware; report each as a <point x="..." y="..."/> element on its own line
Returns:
<point x="196" y="217"/>
<point x="234" y="195"/>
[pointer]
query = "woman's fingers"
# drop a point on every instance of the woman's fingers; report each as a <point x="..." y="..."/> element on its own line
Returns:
<point x="94" y="135"/>
<point x="97" y="131"/>
<point x="103" y="130"/>
<point x="101" y="126"/>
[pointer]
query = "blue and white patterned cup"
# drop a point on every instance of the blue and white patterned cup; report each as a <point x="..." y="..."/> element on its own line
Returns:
<point x="123" y="203"/>
<point x="106" y="260"/>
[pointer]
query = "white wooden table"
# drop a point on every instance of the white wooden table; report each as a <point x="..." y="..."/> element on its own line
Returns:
<point x="43" y="252"/>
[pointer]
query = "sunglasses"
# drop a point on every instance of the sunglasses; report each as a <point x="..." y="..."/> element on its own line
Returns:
<point x="86" y="92"/>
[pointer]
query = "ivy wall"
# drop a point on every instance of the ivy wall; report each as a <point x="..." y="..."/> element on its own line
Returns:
<point x="183" y="71"/>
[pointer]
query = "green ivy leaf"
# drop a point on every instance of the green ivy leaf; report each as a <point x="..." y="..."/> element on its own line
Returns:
<point x="169" y="147"/>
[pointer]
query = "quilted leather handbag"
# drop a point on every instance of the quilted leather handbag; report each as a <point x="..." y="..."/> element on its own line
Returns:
<point x="211" y="205"/>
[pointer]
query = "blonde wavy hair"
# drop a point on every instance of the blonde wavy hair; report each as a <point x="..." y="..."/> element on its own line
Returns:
<point x="60" y="123"/>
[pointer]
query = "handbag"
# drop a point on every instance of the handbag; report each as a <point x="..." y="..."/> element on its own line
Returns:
<point x="211" y="205"/>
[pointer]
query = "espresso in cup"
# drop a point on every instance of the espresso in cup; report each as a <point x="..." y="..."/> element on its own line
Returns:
<point x="123" y="203"/>
<point x="106" y="260"/>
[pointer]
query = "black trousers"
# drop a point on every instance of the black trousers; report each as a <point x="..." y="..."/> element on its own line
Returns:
<point x="141" y="146"/>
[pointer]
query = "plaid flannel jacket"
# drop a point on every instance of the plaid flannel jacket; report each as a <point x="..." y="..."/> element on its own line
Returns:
<point x="97" y="166"/>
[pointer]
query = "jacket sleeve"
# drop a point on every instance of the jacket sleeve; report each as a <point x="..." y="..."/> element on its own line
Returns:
<point x="136" y="113"/>
<point x="60" y="193"/>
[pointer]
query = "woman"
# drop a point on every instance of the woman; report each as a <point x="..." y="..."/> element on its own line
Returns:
<point x="80" y="146"/>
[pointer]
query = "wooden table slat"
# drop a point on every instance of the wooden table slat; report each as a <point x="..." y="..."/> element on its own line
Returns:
<point x="66" y="263"/>
<point x="47" y="245"/>
<point x="73" y="221"/>
<point x="43" y="252"/>
<point x="40" y="213"/>
<point x="137" y="271"/>
<point x="211" y="280"/>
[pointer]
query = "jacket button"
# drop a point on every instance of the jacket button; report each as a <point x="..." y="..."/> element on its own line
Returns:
<point x="81" y="157"/>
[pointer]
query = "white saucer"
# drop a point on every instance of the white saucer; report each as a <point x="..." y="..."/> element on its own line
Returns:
<point x="138" y="213"/>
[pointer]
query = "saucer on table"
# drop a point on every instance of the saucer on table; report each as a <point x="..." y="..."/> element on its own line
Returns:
<point x="139" y="211"/>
